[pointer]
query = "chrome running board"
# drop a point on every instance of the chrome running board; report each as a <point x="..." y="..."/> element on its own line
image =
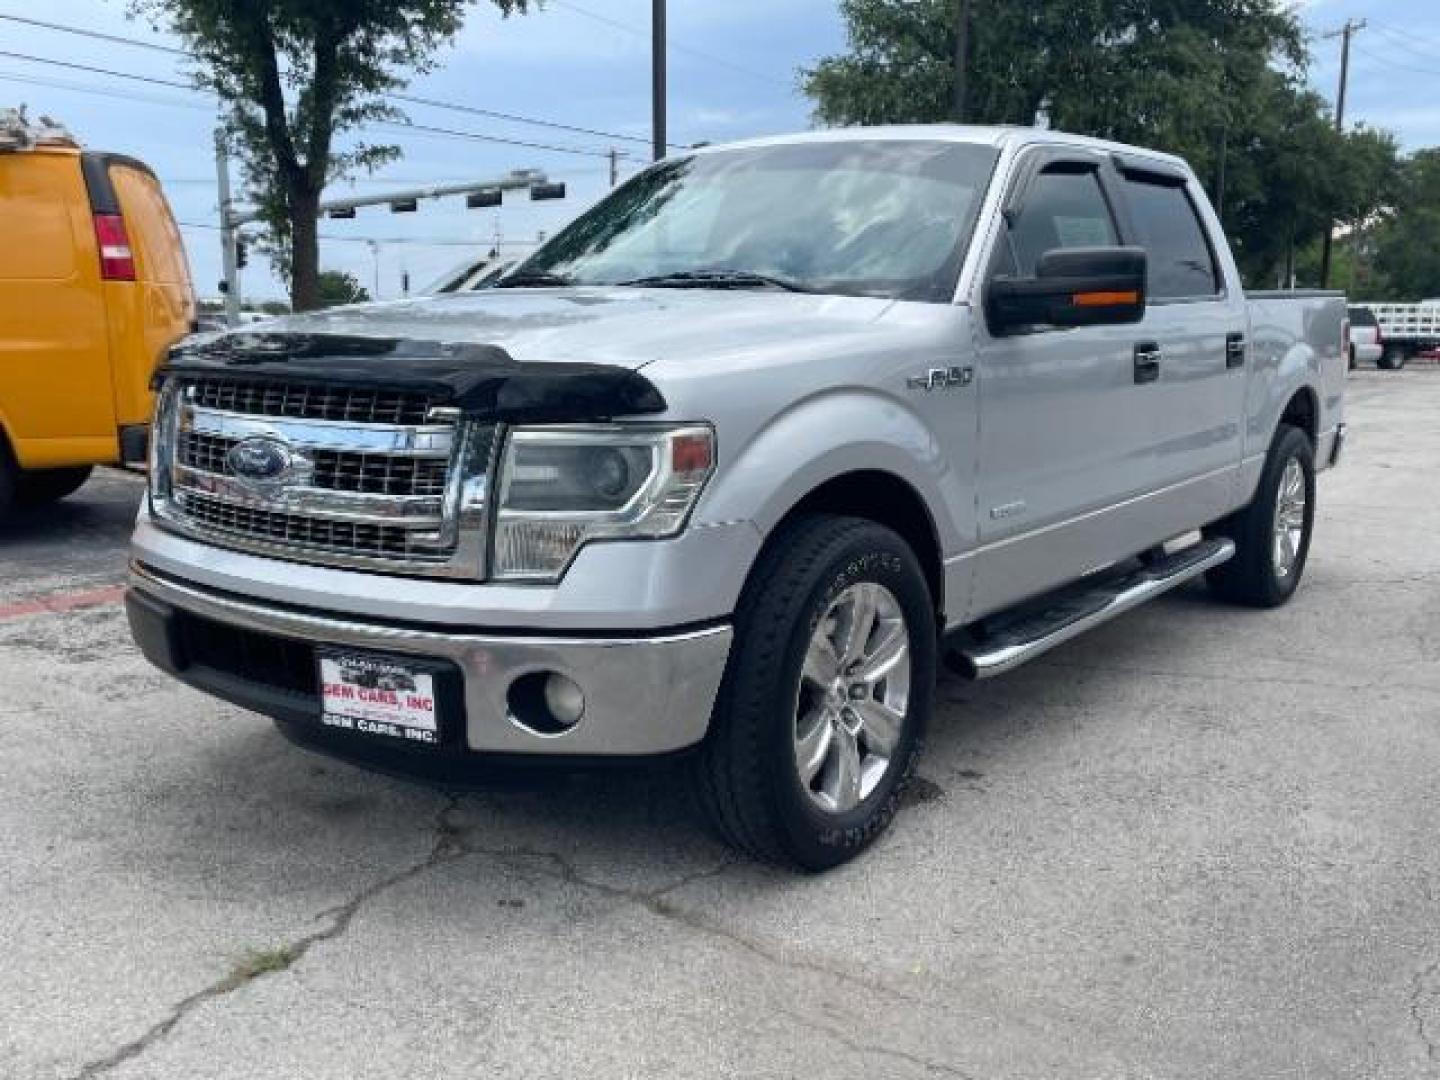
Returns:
<point x="1007" y="640"/>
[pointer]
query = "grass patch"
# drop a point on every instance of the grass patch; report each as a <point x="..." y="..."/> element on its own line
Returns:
<point x="257" y="962"/>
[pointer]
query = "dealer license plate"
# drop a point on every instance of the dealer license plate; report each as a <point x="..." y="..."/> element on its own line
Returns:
<point x="378" y="696"/>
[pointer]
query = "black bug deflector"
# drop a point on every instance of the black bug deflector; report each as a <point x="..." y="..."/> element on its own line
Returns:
<point x="479" y="380"/>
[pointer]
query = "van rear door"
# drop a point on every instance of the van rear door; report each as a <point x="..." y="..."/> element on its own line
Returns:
<point x="156" y="307"/>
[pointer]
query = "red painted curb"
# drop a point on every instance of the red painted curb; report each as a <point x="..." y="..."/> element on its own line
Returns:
<point x="58" y="603"/>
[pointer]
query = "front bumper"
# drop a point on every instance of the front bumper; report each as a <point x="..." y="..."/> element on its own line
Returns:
<point x="644" y="695"/>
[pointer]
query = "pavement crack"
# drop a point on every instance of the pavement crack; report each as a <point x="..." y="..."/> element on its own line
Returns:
<point x="854" y="1045"/>
<point x="1417" y="1014"/>
<point x="447" y="848"/>
<point x="657" y="903"/>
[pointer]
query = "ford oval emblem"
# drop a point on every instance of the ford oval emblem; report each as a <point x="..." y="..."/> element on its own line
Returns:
<point x="260" y="459"/>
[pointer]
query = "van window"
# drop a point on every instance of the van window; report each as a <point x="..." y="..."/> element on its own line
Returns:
<point x="1062" y="209"/>
<point x="1181" y="265"/>
<point x="37" y="242"/>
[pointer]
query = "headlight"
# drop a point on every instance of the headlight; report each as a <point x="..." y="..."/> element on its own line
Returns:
<point x="561" y="488"/>
<point x="162" y="444"/>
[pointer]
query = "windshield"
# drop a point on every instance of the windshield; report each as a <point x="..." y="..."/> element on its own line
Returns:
<point x="883" y="218"/>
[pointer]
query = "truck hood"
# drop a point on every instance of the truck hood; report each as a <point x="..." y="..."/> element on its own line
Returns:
<point x="616" y="327"/>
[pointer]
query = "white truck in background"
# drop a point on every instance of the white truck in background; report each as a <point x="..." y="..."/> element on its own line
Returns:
<point x="1406" y="331"/>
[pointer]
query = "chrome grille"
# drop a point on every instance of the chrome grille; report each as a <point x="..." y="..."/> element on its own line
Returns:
<point x="335" y="470"/>
<point x="373" y="479"/>
<point x="314" y="534"/>
<point x="305" y="401"/>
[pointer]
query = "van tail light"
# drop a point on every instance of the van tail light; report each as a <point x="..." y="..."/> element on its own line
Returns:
<point x="117" y="261"/>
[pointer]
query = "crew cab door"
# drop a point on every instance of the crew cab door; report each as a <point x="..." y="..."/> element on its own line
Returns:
<point x="1198" y="324"/>
<point x="1065" y="428"/>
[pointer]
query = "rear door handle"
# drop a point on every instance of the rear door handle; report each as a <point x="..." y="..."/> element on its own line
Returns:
<point x="1147" y="362"/>
<point x="1234" y="351"/>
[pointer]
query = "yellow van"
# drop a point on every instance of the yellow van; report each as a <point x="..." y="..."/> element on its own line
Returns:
<point x="94" y="288"/>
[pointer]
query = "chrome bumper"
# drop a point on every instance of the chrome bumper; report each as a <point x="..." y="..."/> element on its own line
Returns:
<point x="643" y="695"/>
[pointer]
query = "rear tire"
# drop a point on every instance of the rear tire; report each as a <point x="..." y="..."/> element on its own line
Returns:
<point x="45" y="486"/>
<point x="818" y="724"/>
<point x="1272" y="534"/>
<point x="1393" y="358"/>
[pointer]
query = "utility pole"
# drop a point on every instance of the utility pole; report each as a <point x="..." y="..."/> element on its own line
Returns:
<point x="229" y="234"/>
<point x="374" y="246"/>
<point x="614" y="166"/>
<point x="657" y="75"/>
<point x="962" y="56"/>
<point x="1345" y="33"/>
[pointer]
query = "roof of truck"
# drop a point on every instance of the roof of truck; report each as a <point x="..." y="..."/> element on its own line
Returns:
<point x="996" y="136"/>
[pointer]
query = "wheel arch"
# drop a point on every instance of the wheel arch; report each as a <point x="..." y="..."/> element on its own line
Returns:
<point x="888" y="500"/>
<point x="1302" y="410"/>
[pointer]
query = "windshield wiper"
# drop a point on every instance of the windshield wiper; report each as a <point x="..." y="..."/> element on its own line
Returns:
<point x="535" y="279"/>
<point x="716" y="279"/>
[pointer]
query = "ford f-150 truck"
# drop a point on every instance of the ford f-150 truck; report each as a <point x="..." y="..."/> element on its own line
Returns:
<point x="734" y="462"/>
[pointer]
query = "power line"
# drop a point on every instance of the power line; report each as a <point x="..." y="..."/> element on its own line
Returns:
<point x="154" y="81"/>
<point x="1405" y="39"/>
<point x="517" y="119"/>
<point x="96" y="34"/>
<point x="57" y="84"/>
<point x="675" y="46"/>
<point x="1394" y="63"/>
<point x="429" y="129"/>
<point x="412" y="99"/>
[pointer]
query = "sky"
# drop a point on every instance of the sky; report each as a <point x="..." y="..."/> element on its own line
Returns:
<point x="584" y="63"/>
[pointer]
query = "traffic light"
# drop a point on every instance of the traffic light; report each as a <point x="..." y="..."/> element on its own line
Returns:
<point x="547" y="191"/>
<point x="343" y="212"/>
<point x="241" y="254"/>
<point x="404" y="206"/>
<point x="480" y="200"/>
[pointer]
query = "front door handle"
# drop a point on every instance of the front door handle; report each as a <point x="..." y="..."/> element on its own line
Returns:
<point x="1234" y="351"/>
<point x="1147" y="362"/>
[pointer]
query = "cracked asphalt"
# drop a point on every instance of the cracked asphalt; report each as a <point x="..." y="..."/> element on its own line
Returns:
<point x="1198" y="842"/>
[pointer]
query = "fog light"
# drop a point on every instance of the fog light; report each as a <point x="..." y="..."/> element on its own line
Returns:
<point x="546" y="703"/>
<point x="564" y="699"/>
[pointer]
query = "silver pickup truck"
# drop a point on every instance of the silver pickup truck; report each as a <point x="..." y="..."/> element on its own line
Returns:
<point x="734" y="462"/>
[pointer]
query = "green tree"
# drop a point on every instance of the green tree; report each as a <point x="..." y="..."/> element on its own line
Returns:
<point x="1407" y="242"/>
<point x="1215" y="81"/>
<point x="295" y="74"/>
<point x="337" y="287"/>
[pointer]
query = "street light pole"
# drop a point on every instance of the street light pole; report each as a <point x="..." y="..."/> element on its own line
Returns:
<point x="657" y="75"/>
<point x="229" y="233"/>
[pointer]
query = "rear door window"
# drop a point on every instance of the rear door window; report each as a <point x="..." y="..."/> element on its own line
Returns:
<point x="1181" y="265"/>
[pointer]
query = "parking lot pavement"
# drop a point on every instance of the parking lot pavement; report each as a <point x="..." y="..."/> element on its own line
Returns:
<point x="1199" y="842"/>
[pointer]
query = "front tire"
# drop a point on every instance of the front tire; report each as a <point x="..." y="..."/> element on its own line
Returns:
<point x="827" y="695"/>
<point x="1272" y="534"/>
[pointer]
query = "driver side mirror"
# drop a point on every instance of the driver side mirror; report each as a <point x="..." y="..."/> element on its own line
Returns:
<point x="1071" y="287"/>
